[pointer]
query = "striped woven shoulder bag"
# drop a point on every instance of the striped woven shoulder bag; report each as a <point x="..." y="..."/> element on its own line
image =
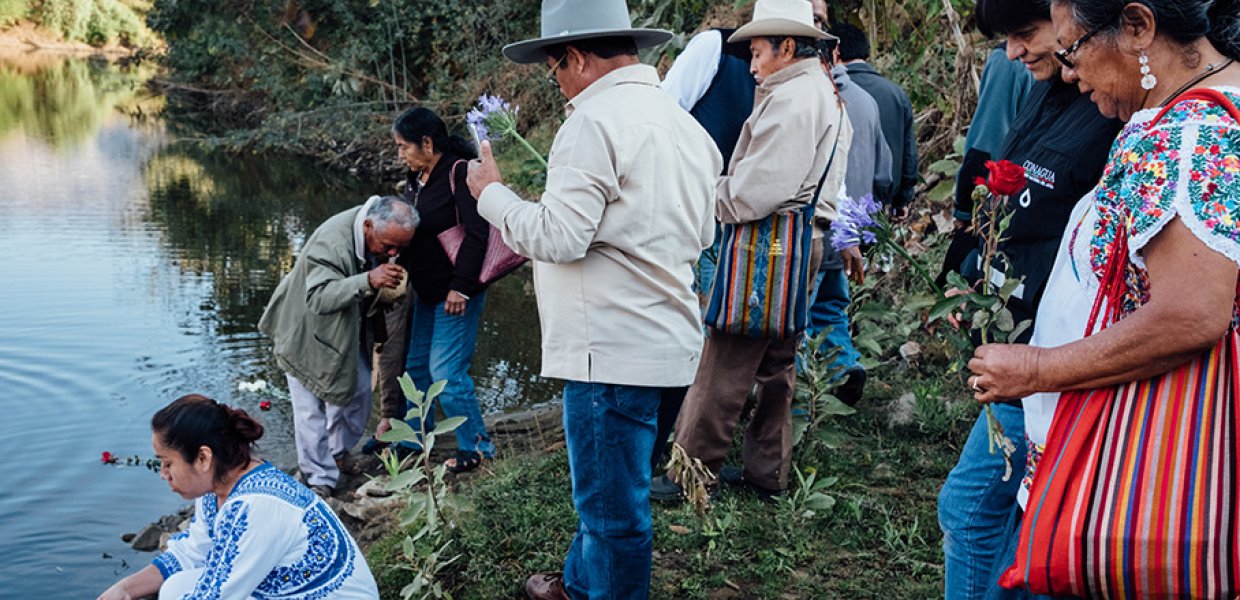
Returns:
<point x="1136" y="492"/>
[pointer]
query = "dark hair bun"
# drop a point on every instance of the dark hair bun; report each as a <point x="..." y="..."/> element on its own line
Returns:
<point x="1225" y="27"/>
<point x="246" y="427"/>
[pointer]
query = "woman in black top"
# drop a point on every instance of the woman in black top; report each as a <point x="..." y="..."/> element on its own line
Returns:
<point x="1062" y="141"/>
<point x="439" y="322"/>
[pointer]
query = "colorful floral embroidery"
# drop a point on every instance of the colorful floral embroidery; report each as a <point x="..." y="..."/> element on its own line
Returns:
<point x="1188" y="165"/>
<point x="1032" y="456"/>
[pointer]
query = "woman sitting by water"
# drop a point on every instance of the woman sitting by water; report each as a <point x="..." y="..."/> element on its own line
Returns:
<point x="256" y="532"/>
<point x="441" y="323"/>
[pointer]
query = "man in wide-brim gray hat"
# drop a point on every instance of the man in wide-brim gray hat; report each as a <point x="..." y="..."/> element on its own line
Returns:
<point x="627" y="210"/>
<point x="795" y="142"/>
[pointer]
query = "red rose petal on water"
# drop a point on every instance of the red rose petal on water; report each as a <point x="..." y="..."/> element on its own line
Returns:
<point x="107" y="458"/>
<point x="264" y="405"/>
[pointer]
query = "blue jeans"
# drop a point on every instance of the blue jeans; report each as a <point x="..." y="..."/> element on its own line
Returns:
<point x="708" y="261"/>
<point x="610" y="433"/>
<point x="830" y="309"/>
<point x="976" y="504"/>
<point x="441" y="346"/>
<point x="1006" y="556"/>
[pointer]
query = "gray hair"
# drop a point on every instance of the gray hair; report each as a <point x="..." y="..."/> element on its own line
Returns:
<point x="390" y="211"/>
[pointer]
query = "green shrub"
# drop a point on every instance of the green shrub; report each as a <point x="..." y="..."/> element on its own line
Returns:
<point x="11" y="11"/>
<point x="96" y="22"/>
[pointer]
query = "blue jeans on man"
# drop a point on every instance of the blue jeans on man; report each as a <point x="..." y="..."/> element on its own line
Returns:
<point x="830" y="309"/>
<point x="610" y="433"/>
<point x="975" y="509"/>
<point x="441" y="346"/>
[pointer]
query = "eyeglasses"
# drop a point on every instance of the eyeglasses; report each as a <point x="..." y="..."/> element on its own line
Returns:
<point x="1063" y="53"/>
<point x="555" y="69"/>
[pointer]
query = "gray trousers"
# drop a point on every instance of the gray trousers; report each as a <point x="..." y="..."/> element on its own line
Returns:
<point x="325" y="431"/>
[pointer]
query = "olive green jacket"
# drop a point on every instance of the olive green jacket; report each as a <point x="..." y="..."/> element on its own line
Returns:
<point x="315" y="315"/>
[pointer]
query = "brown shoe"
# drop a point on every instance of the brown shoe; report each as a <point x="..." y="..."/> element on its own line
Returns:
<point x="545" y="586"/>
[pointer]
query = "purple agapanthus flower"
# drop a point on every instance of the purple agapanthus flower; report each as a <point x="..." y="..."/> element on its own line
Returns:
<point x="855" y="223"/>
<point x="493" y="118"/>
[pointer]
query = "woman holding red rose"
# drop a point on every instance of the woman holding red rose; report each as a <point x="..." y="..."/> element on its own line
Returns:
<point x="1051" y="157"/>
<point x="1163" y="216"/>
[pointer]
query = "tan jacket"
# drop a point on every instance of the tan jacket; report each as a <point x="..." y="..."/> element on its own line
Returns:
<point x="784" y="147"/>
<point x="627" y="211"/>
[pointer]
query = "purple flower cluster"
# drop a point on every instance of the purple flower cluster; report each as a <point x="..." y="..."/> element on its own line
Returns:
<point x="855" y="224"/>
<point x="493" y="118"/>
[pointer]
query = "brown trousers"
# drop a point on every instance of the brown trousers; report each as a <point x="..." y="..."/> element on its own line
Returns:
<point x="730" y="365"/>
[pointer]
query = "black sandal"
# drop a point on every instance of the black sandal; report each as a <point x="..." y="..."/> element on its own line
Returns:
<point x="465" y="462"/>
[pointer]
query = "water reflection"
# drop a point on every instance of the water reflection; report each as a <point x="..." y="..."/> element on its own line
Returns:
<point x="65" y="101"/>
<point x="137" y="270"/>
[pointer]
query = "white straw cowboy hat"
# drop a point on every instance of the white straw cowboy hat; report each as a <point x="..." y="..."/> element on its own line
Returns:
<point x="571" y="20"/>
<point x="781" y="17"/>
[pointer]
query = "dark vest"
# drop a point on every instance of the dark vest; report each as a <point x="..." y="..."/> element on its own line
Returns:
<point x="728" y="101"/>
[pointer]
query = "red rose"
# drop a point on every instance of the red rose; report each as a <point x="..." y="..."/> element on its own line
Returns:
<point x="979" y="181"/>
<point x="264" y="405"/>
<point x="107" y="458"/>
<point x="1006" y="177"/>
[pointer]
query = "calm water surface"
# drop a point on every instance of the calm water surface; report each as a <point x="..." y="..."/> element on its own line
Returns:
<point x="134" y="270"/>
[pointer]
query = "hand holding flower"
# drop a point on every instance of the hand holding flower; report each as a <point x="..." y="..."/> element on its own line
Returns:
<point x="854" y="264"/>
<point x="483" y="171"/>
<point x="1004" y="372"/>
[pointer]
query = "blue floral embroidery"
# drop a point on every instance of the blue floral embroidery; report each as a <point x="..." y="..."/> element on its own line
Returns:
<point x="167" y="564"/>
<point x="229" y="529"/>
<point x="326" y="565"/>
<point x="268" y="480"/>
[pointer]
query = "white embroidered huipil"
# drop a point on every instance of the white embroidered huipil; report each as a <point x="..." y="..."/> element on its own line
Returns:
<point x="272" y="538"/>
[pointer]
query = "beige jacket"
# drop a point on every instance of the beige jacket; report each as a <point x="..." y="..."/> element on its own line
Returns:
<point x="784" y="147"/>
<point x="627" y="211"/>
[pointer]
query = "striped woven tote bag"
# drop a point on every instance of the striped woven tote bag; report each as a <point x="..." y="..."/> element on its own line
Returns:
<point x="761" y="286"/>
<point x="1136" y="492"/>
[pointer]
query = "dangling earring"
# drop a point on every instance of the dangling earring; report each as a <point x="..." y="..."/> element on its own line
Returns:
<point x="1148" y="80"/>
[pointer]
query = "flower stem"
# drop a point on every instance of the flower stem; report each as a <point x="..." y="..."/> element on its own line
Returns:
<point x="921" y="271"/>
<point x="538" y="156"/>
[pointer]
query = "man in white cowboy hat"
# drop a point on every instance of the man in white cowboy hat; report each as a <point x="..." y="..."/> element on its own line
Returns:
<point x="627" y="210"/>
<point x="795" y="135"/>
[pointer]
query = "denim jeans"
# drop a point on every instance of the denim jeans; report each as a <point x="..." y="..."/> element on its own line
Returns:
<point x="830" y="309"/>
<point x="975" y="506"/>
<point x="1006" y="556"/>
<point x="708" y="261"/>
<point x="441" y="346"/>
<point x="610" y="433"/>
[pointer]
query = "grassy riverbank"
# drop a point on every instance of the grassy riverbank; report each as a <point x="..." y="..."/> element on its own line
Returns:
<point x="117" y="26"/>
<point x="879" y="540"/>
<point x="877" y="537"/>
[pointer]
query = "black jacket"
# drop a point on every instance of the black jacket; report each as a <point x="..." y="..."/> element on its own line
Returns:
<point x="895" y="113"/>
<point x="431" y="274"/>
<point x="1063" y="142"/>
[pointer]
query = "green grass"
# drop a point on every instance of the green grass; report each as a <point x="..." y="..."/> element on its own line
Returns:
<point x="879" y="540"/>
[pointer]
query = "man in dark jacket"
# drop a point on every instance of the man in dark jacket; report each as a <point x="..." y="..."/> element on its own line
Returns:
<point x="895" y="111"/>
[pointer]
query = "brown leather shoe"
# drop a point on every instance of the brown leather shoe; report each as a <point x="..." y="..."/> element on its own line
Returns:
<point x="545" y="586"/>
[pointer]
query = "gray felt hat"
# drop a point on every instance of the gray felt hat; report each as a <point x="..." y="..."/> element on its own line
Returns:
<point x="571" y="20"/>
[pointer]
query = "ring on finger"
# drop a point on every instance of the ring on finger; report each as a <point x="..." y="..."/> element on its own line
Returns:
<point x="974" y="385"/>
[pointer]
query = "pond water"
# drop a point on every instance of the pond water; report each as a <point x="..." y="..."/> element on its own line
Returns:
<point x="134" y="269"/>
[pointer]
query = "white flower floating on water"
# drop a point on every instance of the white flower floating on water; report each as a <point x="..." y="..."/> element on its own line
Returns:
<point x="258" y="385"/>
